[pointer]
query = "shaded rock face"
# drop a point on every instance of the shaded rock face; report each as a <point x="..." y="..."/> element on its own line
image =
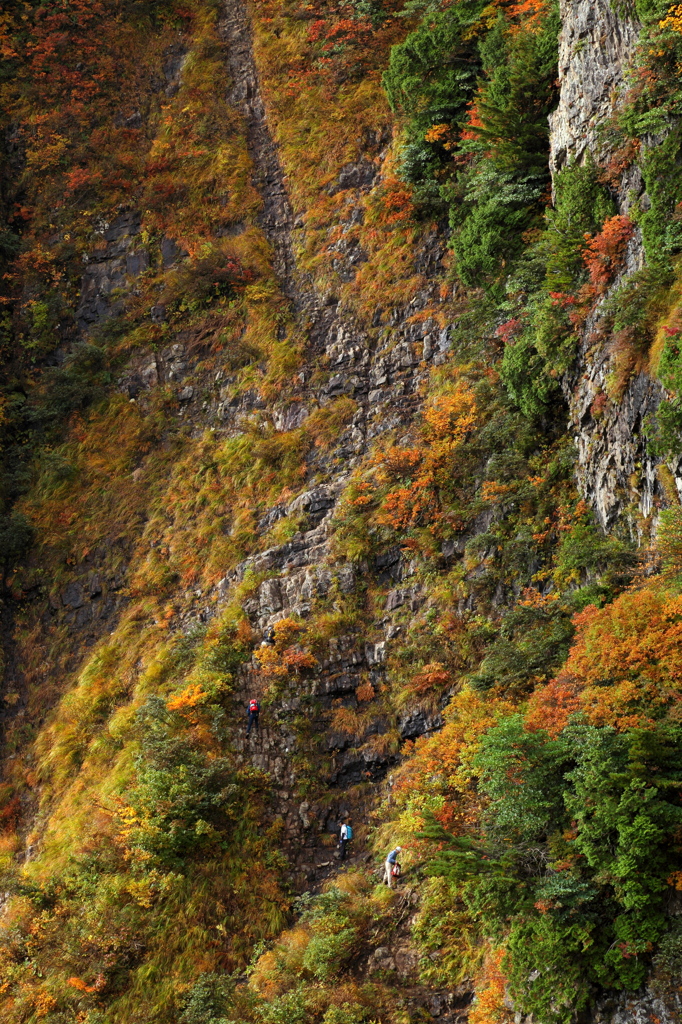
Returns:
<point x="108" y="268"/>
<point x="615" y="471"/>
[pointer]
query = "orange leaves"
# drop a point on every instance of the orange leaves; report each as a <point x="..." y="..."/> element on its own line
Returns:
<point x="347" y="721"/>
<point x="640" y="632"/>
<point x="396" y="200"/>
<point x="409" y="506"/>
<point x="44" y="1003"/>
<point x="473" y="122"/>
<point x="624" y="669"/>
<point x="529" y="11"/>
<point x="432" y="677"/>
<point x="551" y="707"/>
<point x="401" y="461"/>
<point x="492" y="491"/>
<point x="285" y="654"/>
<point x="604" y="253"/>
<point x="365" y="692"/>
<point x="443" y="135"/>
<point x="437" y="133"/>
<point x="100" y="982"/>
<point x="424" y="470"/>
<point x="10" y="814"/>
<point x="491" y="989"/>
<point x="190" y="697"/>
<point x="443" y="762"/>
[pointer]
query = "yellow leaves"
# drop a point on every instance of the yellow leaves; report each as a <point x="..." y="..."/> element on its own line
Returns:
<point x="449" y="417"/>
<point x="145" y="891"/>
<point x="286" y="631"/>
<point x="673" y="21"/>
<point x="440" y="133"/>
<point x="129" y="820"/>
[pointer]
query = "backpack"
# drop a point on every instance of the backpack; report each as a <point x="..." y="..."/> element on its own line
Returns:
<point x="349" y="832"/>
<point x="254" y="706"/>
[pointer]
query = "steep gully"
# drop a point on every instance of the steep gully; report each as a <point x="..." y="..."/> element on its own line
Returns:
<point x="384" y="382"/>
<point x="308" y="822"/>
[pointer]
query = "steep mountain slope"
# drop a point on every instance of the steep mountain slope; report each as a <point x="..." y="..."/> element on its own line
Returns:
<point x="340" y="369"/>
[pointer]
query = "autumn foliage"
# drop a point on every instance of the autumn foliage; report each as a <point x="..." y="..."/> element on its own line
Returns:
<point x="625" y="667"/>
<point x="423" y="473"/>
<point x="604" y="252"/>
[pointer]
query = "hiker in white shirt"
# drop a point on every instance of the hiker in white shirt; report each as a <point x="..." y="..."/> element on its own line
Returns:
<point x="345" y="837"/>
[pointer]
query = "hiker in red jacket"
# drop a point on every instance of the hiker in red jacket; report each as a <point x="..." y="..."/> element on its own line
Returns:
<point x="254" y="712"/>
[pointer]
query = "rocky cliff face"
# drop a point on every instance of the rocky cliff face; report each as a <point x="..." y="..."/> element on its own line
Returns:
<point x="384" y="375"/>
<point x="187" y="394"/>
<point x="616" y="472"/>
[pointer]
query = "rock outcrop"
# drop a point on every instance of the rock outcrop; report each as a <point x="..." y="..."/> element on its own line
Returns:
<point x="615" y="469"/>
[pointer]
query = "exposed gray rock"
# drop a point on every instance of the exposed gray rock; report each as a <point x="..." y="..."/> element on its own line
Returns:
<point x="615" y="470"/>
<point x="290" y="418"/>
<point x="419" y="722"/>
<point x="315" y="503"/>
<point x="596" y="45"/>
<point x="171" y="252"/>
<point x="380" y="960"/>
<point x="359" y="175"/>
<point x="642" y="1007"/>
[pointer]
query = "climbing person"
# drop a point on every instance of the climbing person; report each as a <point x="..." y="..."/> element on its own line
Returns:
<point x="254" y="712"/>
<point x="392" y="867"/>
<point x="268" y="637"/>
<point x="345" y="837"/>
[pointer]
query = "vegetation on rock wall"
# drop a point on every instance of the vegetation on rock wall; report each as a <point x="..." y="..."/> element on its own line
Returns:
<point x="144" y="848"/>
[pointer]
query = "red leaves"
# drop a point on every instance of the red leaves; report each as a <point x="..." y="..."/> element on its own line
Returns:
<point x="397" y="201"/>
<point x="604" y="253"/>
<point x="508" y="331"/>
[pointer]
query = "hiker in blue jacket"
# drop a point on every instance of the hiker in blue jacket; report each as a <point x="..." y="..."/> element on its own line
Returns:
<point x="392" y="867"/>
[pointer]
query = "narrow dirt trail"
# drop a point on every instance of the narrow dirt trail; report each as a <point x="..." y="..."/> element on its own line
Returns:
<point x="277" y="216"/>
